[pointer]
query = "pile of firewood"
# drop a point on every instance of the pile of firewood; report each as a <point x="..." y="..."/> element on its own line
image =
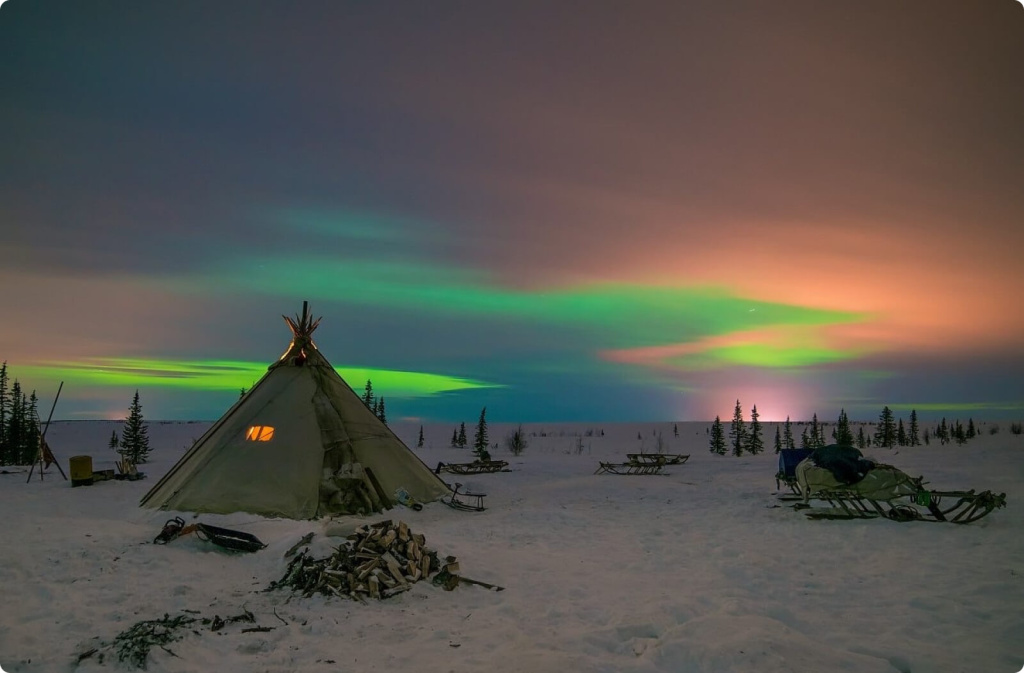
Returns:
<point x="379" y="560"/>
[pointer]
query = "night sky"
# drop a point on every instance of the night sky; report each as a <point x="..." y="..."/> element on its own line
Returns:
<point x="569" y="210"/>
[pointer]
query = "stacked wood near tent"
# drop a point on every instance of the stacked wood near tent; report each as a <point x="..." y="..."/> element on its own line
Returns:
<point x="377" y="561"/>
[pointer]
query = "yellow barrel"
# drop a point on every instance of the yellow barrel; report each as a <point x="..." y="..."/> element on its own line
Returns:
<point x="81" y="470"/>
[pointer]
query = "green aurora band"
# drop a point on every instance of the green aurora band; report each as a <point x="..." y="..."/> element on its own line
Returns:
<point x="229" y="375"/>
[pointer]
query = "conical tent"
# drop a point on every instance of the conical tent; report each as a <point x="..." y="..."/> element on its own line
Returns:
<point x="299" y="444"/>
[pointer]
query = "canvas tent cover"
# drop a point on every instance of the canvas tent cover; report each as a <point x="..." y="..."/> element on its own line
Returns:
<point x="316" y="449"/>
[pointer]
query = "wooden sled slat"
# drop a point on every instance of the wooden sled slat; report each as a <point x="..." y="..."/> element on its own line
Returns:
<point x="476" y="467"/>
<point x="658" y="458"/>
<point x="629" y="468"/>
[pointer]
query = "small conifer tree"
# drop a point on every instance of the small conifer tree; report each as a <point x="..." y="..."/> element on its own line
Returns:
<point x="913" y="431"/>
<point x="844" y="437"/>
<point x="114" y="443"/>
<point x="901" y="434"/>
<point x="5" y="414"/>
<point x="717" y="437"/>
<point x="885" y="433"/>
<point x="787" y="435"/>
<point x="462" y="436"/>
<point x="455" y="438"/>
<point x="381" y="414"/>
<point x="135" y="434"/>
<point x="861" y="441"/>
<point x="737" y="431"/>
<point x="369" y="399"/>
<point x="480" y="441"/>
<point x="778" y="439"/>
<point x="755" y="443"/>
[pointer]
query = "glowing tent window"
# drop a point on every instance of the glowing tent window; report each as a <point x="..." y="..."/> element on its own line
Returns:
<point x="259" y="433"/>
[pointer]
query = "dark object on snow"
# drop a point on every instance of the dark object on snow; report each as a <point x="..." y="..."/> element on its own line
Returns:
<point x="171" y="530"/>
<point x="846" y="463"/>
<point x="229" y="539"/>
<point x="788" y="460"/>
<point x="222" y="537"/>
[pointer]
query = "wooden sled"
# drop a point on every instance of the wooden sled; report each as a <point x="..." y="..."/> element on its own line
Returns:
<point x="476" y="467"/>
<point x="924" y="505"/>
<point x="465" y="501"/>
<point x="887" y="492"/>
<point x="629" y="468"/>
<point x="658" y="458"/>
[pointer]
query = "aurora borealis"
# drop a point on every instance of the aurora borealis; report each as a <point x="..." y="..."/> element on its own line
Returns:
<point x="563" y="211"/>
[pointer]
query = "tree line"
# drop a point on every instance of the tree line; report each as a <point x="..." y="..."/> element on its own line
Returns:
<point x="20" y="431"/>
<point x="19" y="422"/>
<point x="889" y="433"/>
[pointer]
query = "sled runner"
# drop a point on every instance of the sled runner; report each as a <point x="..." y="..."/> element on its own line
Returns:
<point x="466" y="501"/>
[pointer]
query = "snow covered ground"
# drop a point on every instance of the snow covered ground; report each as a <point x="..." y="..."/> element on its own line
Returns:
<point x="701" y="570"/>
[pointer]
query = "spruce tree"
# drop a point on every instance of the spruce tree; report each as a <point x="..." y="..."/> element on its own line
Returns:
<point x="368" y="398"/>
<point x="942" y="432"/>
<point x="114" y="443"/>
<point x="913" y="431"/>
<point x="787" y="435"/>
<point x="778" y="439"/>
<point x="844" y="437"/>
<point x="815" y="438"/>
<point x="755" y="444"/>
<point x="480" y="441"/>
<point x="135" y="434"/>
<point x="675" y="429"/>
<point x="419" y="442"/>
<point x="971" y="430"/>
<point x="717" y="437"/>
<point x="462" y="436"/>
<point x="805" y="441"/>
<point x="381" y="414"/>
<point x="737" y="431"/>
<point x="15" y="427"/>
<point x="31" y="449"/>
<point x="885" y="434"/>
<point x="455" y="438"/>
<point x="5" y="415"/>
<point x="861" y="441"/>
<point x="901" y="434"/>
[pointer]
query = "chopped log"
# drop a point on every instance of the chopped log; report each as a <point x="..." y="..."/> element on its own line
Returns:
<point x="403" y="531"/>
<point x="305" y="540"/>
<point x="388" y="593"/>
<point x="374" y="586"/>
